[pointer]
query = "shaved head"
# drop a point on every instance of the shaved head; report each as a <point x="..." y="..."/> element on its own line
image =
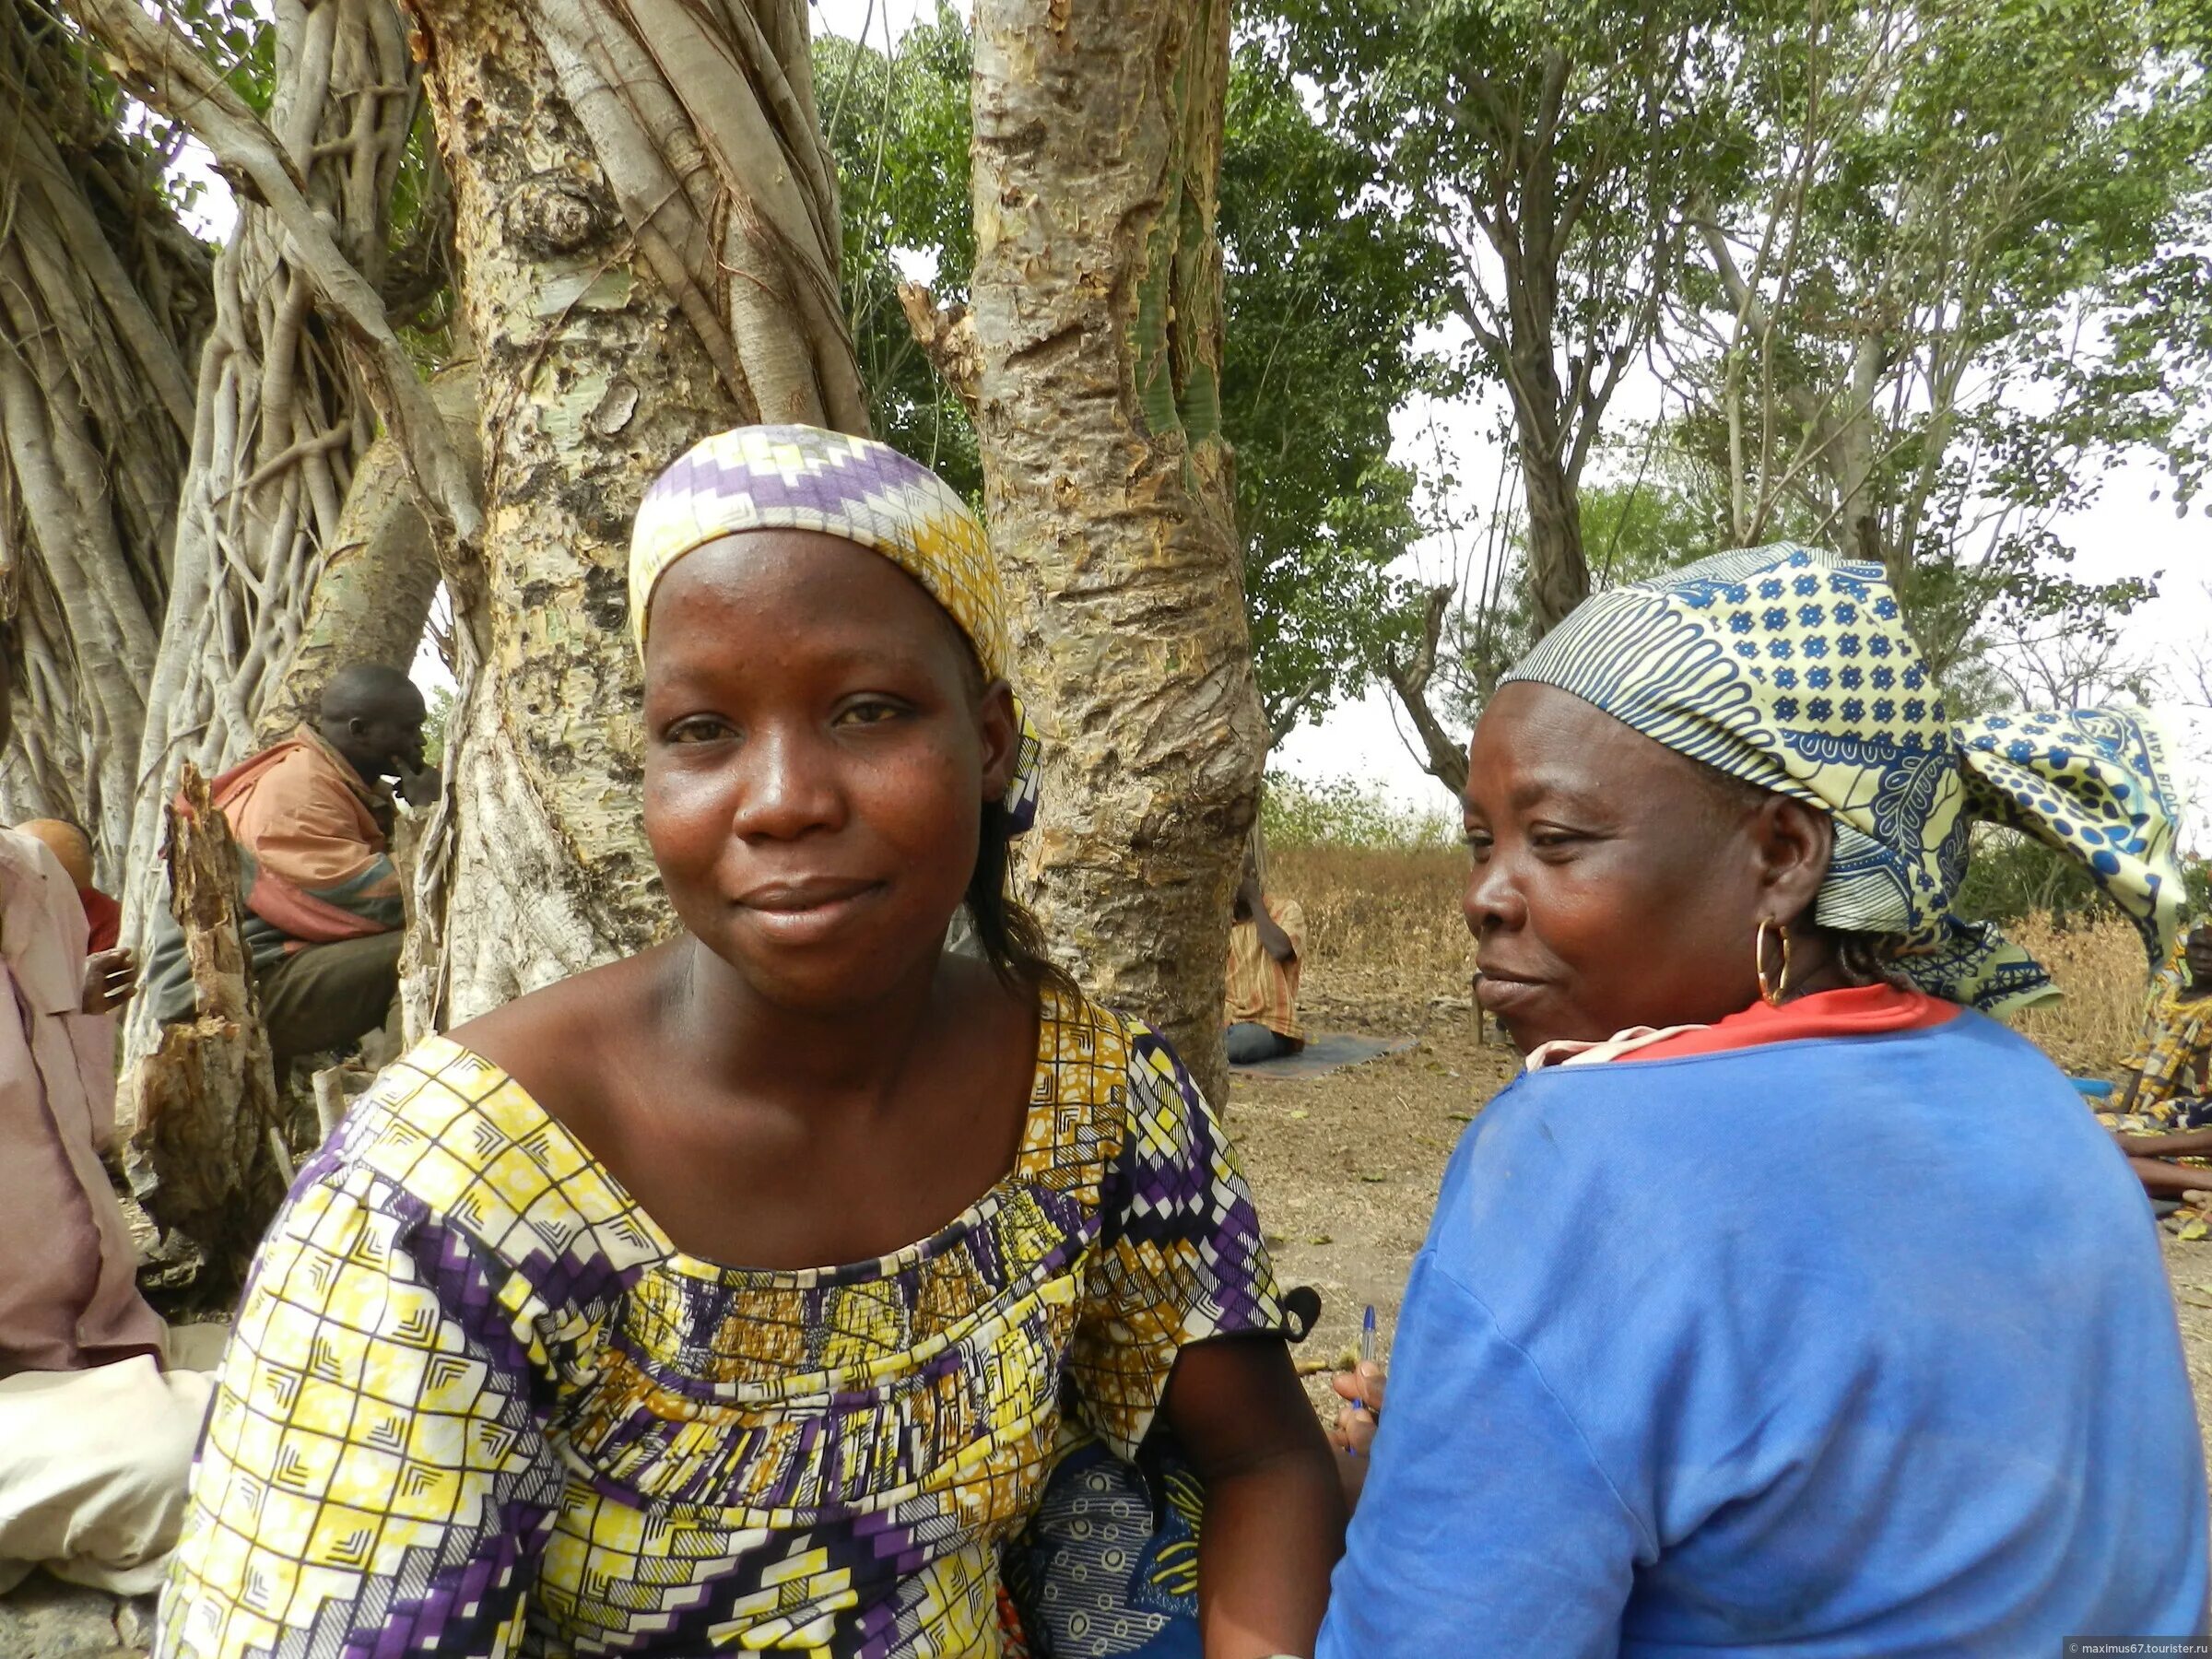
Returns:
<point x="368" y="692"/>
<point x="66" y="843"/>
<point x="373" y="716"/>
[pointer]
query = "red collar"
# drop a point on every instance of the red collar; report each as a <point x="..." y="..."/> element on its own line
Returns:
<point x="1860" y="1011"/>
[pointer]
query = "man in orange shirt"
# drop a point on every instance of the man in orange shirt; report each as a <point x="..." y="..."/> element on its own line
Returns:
<point x="1265" y="939"/>
<point x="310" y="817"/>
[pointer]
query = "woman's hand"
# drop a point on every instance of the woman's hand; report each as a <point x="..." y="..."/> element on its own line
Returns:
<point x="1353" y="1435"/>
<point x="111" y="980"/>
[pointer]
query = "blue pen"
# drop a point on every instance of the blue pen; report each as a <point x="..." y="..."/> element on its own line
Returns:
<point x="1366" y="1356"/>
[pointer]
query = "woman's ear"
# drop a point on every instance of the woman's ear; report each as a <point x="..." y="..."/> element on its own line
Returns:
<point x="1794" y="845"/>
<point x="1000" y="728"/>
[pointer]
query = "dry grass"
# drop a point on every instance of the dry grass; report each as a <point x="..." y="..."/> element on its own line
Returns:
<point x="1385" y="938"/>
<point x="2101" y="967"/>
<point x="1383" y="931"/>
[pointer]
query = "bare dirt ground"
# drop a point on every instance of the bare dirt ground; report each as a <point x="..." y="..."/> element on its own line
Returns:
<point x="1346" y="1169"/>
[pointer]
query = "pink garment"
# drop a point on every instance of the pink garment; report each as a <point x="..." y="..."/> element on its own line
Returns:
<point x="68" y="1291"/>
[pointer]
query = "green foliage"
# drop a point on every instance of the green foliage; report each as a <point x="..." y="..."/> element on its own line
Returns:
<point x="897" y="124"/>
<point x="1340" y="812"/>
<point x="2012" y="875"/>
<point x="1550" y="153"/>
<point x="1962" y="272"/>
<point x="1326" y="291"/>
<point x="1328" y="288"/>
<point x="436" y="721"/>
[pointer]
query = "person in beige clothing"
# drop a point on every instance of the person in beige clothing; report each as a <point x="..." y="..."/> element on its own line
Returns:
<point x="96" y="1431"/>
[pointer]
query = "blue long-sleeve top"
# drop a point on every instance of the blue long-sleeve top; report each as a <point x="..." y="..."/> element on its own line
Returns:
<point x="1850" y="1346"/>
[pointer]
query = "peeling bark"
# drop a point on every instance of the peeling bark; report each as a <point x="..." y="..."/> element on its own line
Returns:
<point x="207" y="1153"/>
<point x="102" y="296"/>
<point x="1097" y="330"/>
<point x="647" y="245"/>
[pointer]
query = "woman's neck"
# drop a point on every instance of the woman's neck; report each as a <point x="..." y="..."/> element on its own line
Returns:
<point x="1814" y="967"/>
<point x="797" y="1059"/>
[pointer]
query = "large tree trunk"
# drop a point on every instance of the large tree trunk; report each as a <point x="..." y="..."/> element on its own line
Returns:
<point x="1097" y="320"/>
<point x="281" y="418"/>
<point x="101" y="297"/>
<point x="647" y="237"/>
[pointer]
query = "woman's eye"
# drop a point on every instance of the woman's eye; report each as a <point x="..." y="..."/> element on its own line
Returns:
<point x="871" y="710"/>
<point x="1551" y="841"/>
<point x="697" y="728"/>
<point x="1478" y="842"/>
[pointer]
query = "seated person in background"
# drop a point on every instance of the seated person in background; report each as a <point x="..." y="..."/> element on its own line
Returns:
<point x="2169" y="1083"/>
<point x="66" y="841"/>
<point x="310" y="817"/>
<point x="1264" y="944"/>
<point x="95" y="1434"/>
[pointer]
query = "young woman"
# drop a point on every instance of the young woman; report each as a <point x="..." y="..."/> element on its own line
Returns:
<point x="735" y="1296"/>
<point x="1786" y="1305"/>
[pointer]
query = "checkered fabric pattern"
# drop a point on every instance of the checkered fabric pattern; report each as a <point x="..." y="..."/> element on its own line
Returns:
<point x="801" y="477"/>
<point x="478" y="1403"/>
<point x="1793" y="669"/>
<point x="2175" y="1059"/>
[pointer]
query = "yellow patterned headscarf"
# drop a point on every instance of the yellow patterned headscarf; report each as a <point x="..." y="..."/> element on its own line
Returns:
<point x="800" y="477"/>
<point x="1791" y="669"/>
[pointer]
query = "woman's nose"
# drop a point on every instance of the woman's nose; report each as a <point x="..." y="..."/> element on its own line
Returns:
<point x="790" y="787"/>
<point x="1492" y="897"/>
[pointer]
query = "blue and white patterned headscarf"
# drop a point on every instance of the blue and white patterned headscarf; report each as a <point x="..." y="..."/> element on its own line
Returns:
<point x="1791" y="669"/>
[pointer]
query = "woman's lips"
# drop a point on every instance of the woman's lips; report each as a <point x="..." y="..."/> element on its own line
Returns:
<point x="1502" y="994"/>
<point x="804" y="911"/>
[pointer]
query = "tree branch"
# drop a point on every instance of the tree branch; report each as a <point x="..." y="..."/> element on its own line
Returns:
<point x="947" y="336"/>
<point x="1447" y="761"/>
<point x="1283" y="719"/>
<point x="160" y="66"/>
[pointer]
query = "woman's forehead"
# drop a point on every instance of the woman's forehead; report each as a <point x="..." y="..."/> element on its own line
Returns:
<point x="795" y="589"/>
<point x="1535" y="741"/>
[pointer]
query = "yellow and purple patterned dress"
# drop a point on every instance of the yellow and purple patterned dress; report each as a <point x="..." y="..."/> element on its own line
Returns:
<point x="478" y="1403"/>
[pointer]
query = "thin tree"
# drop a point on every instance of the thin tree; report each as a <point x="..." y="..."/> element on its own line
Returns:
<point x="1098" y="335"/>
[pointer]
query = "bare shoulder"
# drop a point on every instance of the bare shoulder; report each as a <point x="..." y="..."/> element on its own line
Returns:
<point x="560" y="1042"/>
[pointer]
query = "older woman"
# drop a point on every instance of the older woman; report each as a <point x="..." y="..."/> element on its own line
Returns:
<point x="1712" y="1345"/>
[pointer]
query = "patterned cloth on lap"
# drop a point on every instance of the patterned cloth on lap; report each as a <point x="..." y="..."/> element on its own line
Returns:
<point x="479" y="1404"/>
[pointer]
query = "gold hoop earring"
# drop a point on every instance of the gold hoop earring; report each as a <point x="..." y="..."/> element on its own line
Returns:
<point x="1780" y="987"/>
